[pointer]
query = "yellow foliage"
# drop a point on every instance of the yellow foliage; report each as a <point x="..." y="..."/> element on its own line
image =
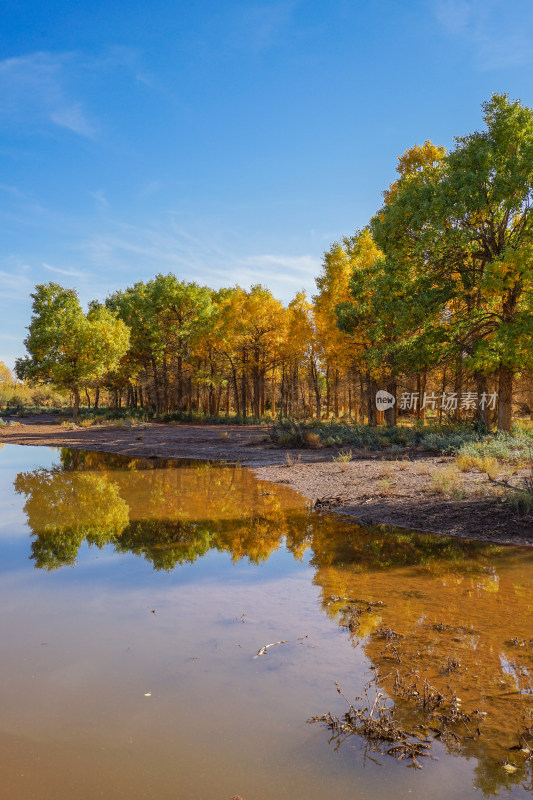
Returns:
<point x="413" y="161"/>
<point x="468" y="463"/>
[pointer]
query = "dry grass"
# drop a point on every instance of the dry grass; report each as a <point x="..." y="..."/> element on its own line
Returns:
<point x="386" y="471"/>
<point x="486" y="464"/>
<point x="377" y="724"/>
<point x="401" y="465"/>
<point x="343" y="456"/>
<point x="421" y="468"/>
<point x="385" y="489"/>
<point x="312" y="439"/>
<point x="448" y="482"/>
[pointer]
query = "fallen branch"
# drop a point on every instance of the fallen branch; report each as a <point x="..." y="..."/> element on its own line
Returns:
<point x="262" y="651"/>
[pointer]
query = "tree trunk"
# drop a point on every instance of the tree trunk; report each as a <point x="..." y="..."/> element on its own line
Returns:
<point x="505" y="398"/>
<point x="390" y="414"/>
<point x="442" y="395"/>
<point x="243" y="386"/>
<point x="421" y="389"/>
<point x="76" y="408"/>
<point x="458" y="384"/>
<point x="370" y="397"/>
<point x="180" y="382"/>
<point x="165" y="385"/>
<point x="482" y="387"/>
<point x="236" y="391"/>
<point x="262" y="394"/>
<point x="156" y="388"/>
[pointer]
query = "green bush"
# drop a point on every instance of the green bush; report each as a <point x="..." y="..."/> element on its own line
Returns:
<point x="437" y="438"/>
<point x="512" y="447"/>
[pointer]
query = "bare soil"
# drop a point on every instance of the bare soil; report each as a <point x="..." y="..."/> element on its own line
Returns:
<point x="373" y="487"/>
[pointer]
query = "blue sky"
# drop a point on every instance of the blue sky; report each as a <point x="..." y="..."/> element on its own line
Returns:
<point x="228" y="142"/>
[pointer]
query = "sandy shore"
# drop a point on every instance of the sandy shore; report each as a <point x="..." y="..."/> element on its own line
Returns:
<point x="373" y="487"/>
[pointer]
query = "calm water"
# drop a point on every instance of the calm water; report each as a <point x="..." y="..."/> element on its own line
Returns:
<point x="136" y="593"/>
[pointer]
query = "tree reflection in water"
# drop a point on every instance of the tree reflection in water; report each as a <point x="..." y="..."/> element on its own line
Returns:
<point x="168" y="515"/>
<point x="461" y="610"/>
<point x="66" y="509"/>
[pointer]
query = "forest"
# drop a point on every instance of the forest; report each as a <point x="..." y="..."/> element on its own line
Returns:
<point x="431" y="302"/>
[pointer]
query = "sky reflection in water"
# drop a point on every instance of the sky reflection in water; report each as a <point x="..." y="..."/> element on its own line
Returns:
<point x="128" y="664"/>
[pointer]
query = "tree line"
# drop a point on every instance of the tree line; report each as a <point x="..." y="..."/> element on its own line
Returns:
<point x="431" y="302"/>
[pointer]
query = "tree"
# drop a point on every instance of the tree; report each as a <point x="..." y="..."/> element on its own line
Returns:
<point x="301" y="349"/>
<point x="64" y="509"/>
<point x="252" y="327"/>
<point x="6" y="376"/>
<point x="487" y="195"/>
<point x="167" y="318"/>
<point x="66" y="347"/>
<point x="463" y="223"/>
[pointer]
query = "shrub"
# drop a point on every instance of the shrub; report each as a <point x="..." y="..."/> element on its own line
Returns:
<point x="312" y="439"/>
<point x="521" y="497"/>
<point x="343" y="457"/>
<point x="469" y="463"/>
<point x="511" y="447"/>
<point x="447" y="481"/>
<point x="436" y="438"/>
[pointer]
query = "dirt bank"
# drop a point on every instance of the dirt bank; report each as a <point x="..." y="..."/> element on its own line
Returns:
<point x="372" y="487"/>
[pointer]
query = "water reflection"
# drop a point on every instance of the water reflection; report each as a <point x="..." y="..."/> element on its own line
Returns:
<point x="148" y="507"/>
<point x="455" y="613"/>
<point x="460" y="611"/>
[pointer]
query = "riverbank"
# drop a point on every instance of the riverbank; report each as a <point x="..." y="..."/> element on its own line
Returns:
<point x="417" y="490"/>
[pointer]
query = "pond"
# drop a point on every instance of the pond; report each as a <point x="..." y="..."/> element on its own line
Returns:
<point x="138" y="593"/>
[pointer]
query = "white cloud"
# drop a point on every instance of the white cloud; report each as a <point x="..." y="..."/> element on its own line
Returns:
<point x="498" y="32"/>
<point x="16" y="284"/>
<point x="133" y="253"/>
<point x="71" y="273"/>
<point x="13" y="190"/>
<point x="296" y="264"/>
<point x="262" y="25"/>
<point x="9" y="337"/>
<point x="149" y="189"/>
<point x="47" y="88"/>
<point x="99" y="196"/>
<point x="34" y="89"/>
<point x="74" y="119"/>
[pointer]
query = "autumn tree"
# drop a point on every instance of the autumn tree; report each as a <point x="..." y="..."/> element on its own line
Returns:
<point x="302" y="354"/>
<point x="333" y="288"/>
<point x="68" y="348"/>
<point x="253" y="329"/>
<point x="462" y="221"/>
<point x="167" y="318"/>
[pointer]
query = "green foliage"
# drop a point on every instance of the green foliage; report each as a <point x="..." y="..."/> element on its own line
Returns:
<point x="66" y="347"/>
<point x="443" y="439"/>
<point x="457" y="233"/>
<point x="63" y="510"/>
<point x="166" y="318"/>
<point x="512" y="447"/>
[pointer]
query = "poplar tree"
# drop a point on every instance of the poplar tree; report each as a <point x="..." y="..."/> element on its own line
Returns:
<point x="68" y="348"/>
